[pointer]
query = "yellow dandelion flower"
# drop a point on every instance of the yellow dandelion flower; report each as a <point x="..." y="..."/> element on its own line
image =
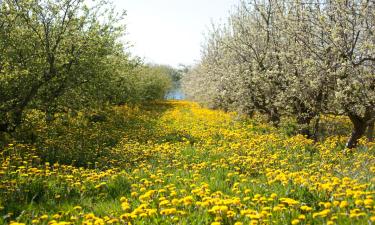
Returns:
<point x="295" y="221"/>
<point x="344" y="204"/>
<point x="44" y="217"/>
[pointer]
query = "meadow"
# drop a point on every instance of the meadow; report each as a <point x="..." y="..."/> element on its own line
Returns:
<point x="174" y="162"/>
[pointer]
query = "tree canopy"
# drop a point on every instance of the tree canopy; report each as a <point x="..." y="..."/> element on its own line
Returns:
<point x="298" y="58"/>
<point x="64" y="54"/>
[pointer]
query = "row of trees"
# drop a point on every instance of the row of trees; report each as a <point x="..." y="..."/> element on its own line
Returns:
<point x="295" y="57"/>
<point x="66" y="54"/>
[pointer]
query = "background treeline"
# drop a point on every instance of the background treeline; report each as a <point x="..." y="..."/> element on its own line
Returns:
<point x="294" y="58"/>
<point x="64" y="56"/>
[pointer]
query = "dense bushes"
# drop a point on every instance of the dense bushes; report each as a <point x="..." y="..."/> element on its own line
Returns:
<point x="153" y="82"/>
<point x="301" y="59"/>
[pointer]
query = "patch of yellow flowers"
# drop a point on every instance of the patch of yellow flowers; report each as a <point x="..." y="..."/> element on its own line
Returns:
<point x="208" y="167"/>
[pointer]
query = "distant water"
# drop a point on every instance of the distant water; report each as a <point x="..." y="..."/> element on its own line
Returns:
<point x="176" y="94"/>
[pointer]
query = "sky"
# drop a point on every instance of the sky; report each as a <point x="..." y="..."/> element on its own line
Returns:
<point x="171" y="32"/>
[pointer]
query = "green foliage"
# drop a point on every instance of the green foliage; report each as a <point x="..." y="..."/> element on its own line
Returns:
<point x="118" y="186"/>
<point x="30" y="190"/>
<point x="153" y="82"/>
<point x="63" y="56"/>
<point x="50" y="48"/>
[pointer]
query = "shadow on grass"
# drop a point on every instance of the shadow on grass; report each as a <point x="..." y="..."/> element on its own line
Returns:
<point x="78" y="140"/>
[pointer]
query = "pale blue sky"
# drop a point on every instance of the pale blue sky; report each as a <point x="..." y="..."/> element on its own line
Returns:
<point x="171" y="31"/>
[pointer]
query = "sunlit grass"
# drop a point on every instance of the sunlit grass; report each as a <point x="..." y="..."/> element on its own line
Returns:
<point x="177" y="163"/>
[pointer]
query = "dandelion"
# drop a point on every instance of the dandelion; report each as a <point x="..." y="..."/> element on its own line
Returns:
<point x="295" y="221"/>
<point x="344" y="204"/>
<point x="306" y="208"/>
<point x="368" y="202"/>
<point x="167" y="212"/>
<point x="44" y="217"/>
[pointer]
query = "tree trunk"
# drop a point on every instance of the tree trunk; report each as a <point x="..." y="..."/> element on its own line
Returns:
<point x="359" y="129"/>
<point x="370" y="131"/>
<point x="315" y="134"/>
<point x="304" y="122"/>
<point x="274" y="117"/>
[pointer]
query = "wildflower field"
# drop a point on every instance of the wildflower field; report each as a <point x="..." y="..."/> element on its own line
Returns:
<point x="174" y="162"/>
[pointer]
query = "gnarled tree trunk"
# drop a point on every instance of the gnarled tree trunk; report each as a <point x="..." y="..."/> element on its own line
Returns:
<point x="315" y="134"/>
<point x="274" y="117"/>
<point x="359" y="129"/>
<point x="304" y="121"/>
<point x="370" y="131"/>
